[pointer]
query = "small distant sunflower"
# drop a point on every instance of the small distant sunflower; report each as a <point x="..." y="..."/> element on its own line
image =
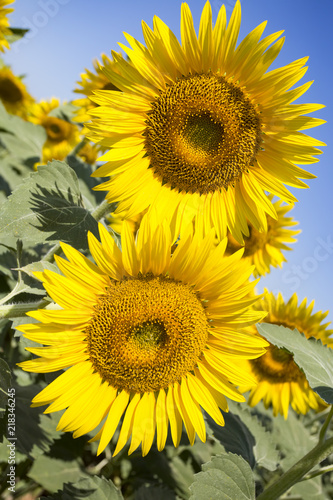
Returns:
<point x="89" y="153"/>
<point x="62" y="136"/>
<point x="279" y="380"/>
<point x="264" y="249"/>
<point x="91" y="81"/>
<point x="147" y="336"/>
<point x="4" y="24"/>
<point x="13" y="93"/>
<point x="201" y="129"/>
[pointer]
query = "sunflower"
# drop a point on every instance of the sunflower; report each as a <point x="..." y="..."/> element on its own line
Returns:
<point x="201" y="129"/>
<point x="279" y="380"/>
<point x="62" y="136"/>
<point x="4" y="24"/>
<point x="13" y="93"/>
<point x="264" y="249"/>
<point x="144" y="335"/>
<point x="91" y="81"/>
<point x="89" y="153"/>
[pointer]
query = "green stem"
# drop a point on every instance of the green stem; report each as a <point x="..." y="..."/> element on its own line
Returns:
<point x="16" y="290"/>
<point x="18" y="310"/>
<point x="325" y="426"/>
<point x="297" y="471"/>
<point x="55" y="250"/>
<point x="318" y="472"/>
<point x="78" y="147"/>
<point x="317" y="417"/>
<point x="102" y="209"/>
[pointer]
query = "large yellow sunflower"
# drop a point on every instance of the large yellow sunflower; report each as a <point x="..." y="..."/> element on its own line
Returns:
<point x="147" y="336"/>
<point x="264" y="249"/>
<point x="280" y="382"/>
<point x="13" y="93"/>
<point x="4" y="24"/>
<point x="62" y="136"/>
<point x="201" y="129"/>
<point x="91" y="81"/>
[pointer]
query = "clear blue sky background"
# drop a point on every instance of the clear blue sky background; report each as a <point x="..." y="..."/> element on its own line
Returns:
<point x="66" y="35"/>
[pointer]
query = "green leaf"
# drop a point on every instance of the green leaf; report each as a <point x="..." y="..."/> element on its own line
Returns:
<point x="201" y="452"/>
<point x="90" y="488"/>
<point x="182" y="473"/>
<point x="22" y="144"/>
<point x="5" y="384"/>
<point x="48" y="207"/>
<point x="225" y="477"/>
<point x="234" y="436"/>
<point x="87" y="183"/>
<point x="16" y="34"/>
<point x="293" y="437"/>
<point x="39" y="266"/>
<point x="154" y="492"/>
<point x="166" y="468"/>
<point x="52" y="473"/>
<point x="265" y="450"/>
<point x="309" y="490"/>
<point x="7" y="261"/>
<point x="315" y="359"/>
<point x="64" y="111"/>
<point x="35" y="432"/>
<point x="4" y="452"/>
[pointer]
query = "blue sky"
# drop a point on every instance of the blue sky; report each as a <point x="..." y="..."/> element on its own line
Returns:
<point x="66" y="35"/>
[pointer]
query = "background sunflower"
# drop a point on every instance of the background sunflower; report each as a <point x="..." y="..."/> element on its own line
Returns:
<point x="13" y="93"/>
<point x="89" y="83"/>
<point x="280" y="382"/>
<point x="4" y="23"/>
<point x="264" y="249"/>
<point x="62" y="135"/>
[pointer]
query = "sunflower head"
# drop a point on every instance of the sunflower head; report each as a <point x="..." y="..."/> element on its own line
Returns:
<point x="4" y="23"/>
<point x="280" y="382"/>
<point x="89" y="83"/>
<point x="150" y="336"/>
<point x="264" y="249"/>
<point x="62" y="136"/>
<point x="200" y="128"/>
<point x="13" y="93"/>
<point x="89" y="153"/>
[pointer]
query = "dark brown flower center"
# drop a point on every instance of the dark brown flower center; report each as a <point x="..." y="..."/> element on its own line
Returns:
<point x="146" y="333"/>
<point x="202" y="133"/>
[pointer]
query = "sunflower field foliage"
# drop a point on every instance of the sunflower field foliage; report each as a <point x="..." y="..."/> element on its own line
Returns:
<point x="138" y="361"/>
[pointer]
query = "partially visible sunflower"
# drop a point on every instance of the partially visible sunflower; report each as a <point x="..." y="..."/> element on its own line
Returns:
<point x="62" y="136"/>
<point x="201" y="129"/>
<point x="144" y="335"/>
<point x="91" y="81"/>
<point x="280" y="382"/>
<point x="13" y="93"/>
<point x="264" y="249"/>
<point x="89" y="153"/>
<point x="4" y="23"/>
